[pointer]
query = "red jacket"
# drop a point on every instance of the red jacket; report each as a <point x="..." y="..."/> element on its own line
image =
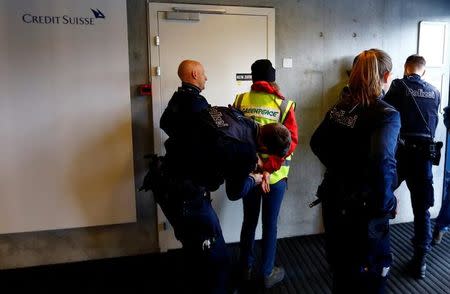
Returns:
<point x="273" y="163"/>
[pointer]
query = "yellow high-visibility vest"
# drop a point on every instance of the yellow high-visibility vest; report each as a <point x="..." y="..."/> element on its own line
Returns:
<point x="266" y="108"/>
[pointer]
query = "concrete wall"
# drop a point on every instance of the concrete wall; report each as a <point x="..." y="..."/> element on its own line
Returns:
<point x="322" y="37"/>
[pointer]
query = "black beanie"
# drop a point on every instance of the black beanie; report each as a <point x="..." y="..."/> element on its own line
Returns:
<point x="262" y="70"/>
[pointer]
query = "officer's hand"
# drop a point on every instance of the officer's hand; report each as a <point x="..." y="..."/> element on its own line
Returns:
<point x="258" y="177"/>
<point x="265" y="185"/>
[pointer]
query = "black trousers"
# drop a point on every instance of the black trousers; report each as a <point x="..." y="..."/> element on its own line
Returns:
<point x="414" y="168"/>
<point x="358" y="249"/>
<point x="206" y="262"/>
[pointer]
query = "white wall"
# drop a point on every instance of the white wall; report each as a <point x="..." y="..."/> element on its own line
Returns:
<point x="65" y="119"/>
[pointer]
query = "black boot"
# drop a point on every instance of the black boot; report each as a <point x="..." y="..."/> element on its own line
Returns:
<point x="418" y="266"/>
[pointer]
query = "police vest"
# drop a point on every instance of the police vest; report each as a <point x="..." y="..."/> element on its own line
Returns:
<point x="266" y="108"/>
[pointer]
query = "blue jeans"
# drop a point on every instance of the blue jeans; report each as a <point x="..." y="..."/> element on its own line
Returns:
<point x="271" y="204"/>
<point x="443" y="219"/>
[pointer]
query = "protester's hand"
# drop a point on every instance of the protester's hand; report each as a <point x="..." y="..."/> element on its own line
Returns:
<point x="258" y="177"/>
<point x="265" y="185"/>
<point x="259" y="164"/>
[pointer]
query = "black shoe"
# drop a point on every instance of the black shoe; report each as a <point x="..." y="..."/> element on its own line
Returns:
<point x="437" y="237"/>
<point x="418" y="267"/>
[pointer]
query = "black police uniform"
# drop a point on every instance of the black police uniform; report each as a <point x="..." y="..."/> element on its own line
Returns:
<point x="413" y="164"/>
<point x="206" y="146"/>
<point x="357" y="146"/>
<point x="185" y="101"/>
<point x="186" y="204"/>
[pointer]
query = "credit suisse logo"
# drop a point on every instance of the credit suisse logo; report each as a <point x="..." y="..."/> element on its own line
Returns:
<point x="89" y="20"/>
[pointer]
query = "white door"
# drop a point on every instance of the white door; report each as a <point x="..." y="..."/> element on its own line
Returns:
<point x="226" y="40"/>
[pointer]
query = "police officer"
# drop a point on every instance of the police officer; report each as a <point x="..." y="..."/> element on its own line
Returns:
<point x="182" y="194"/>
<point x="356" y="142"/>
<point x="206" y="146"/>
<point x="265" y="104"/>
<point x="418" y="103"/>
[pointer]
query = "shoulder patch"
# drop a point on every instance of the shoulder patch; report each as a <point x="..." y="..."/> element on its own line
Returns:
<point x="217" y="117"/>
<point x="343" y="118"/>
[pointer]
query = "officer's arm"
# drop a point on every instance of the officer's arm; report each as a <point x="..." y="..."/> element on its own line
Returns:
<point x="438" y="96"/>
<point x="447" y="117"/>
<point x="383" y="163"/>
<point x="164" y="122"/>
<point x="238" y="188"/>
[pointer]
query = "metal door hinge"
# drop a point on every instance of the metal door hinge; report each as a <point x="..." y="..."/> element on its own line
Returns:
<point x="157" y="71"/>
<point x="156" y="40"/>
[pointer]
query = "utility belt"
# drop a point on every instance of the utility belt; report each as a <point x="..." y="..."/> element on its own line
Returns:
<point x="414" y="142"/>
<point x="343" y="197"/>
<point x="353" y="204"/>
<point x="422" y="146"/>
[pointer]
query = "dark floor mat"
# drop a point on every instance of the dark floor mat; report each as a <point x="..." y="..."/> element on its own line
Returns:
<point x="302" y="257"/>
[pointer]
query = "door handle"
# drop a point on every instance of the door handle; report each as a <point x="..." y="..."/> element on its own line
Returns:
<point x="178" y="15"/>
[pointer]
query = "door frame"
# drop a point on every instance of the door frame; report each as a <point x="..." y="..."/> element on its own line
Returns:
<point x="154" y="63"/>
<point x="443" y="69"/>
